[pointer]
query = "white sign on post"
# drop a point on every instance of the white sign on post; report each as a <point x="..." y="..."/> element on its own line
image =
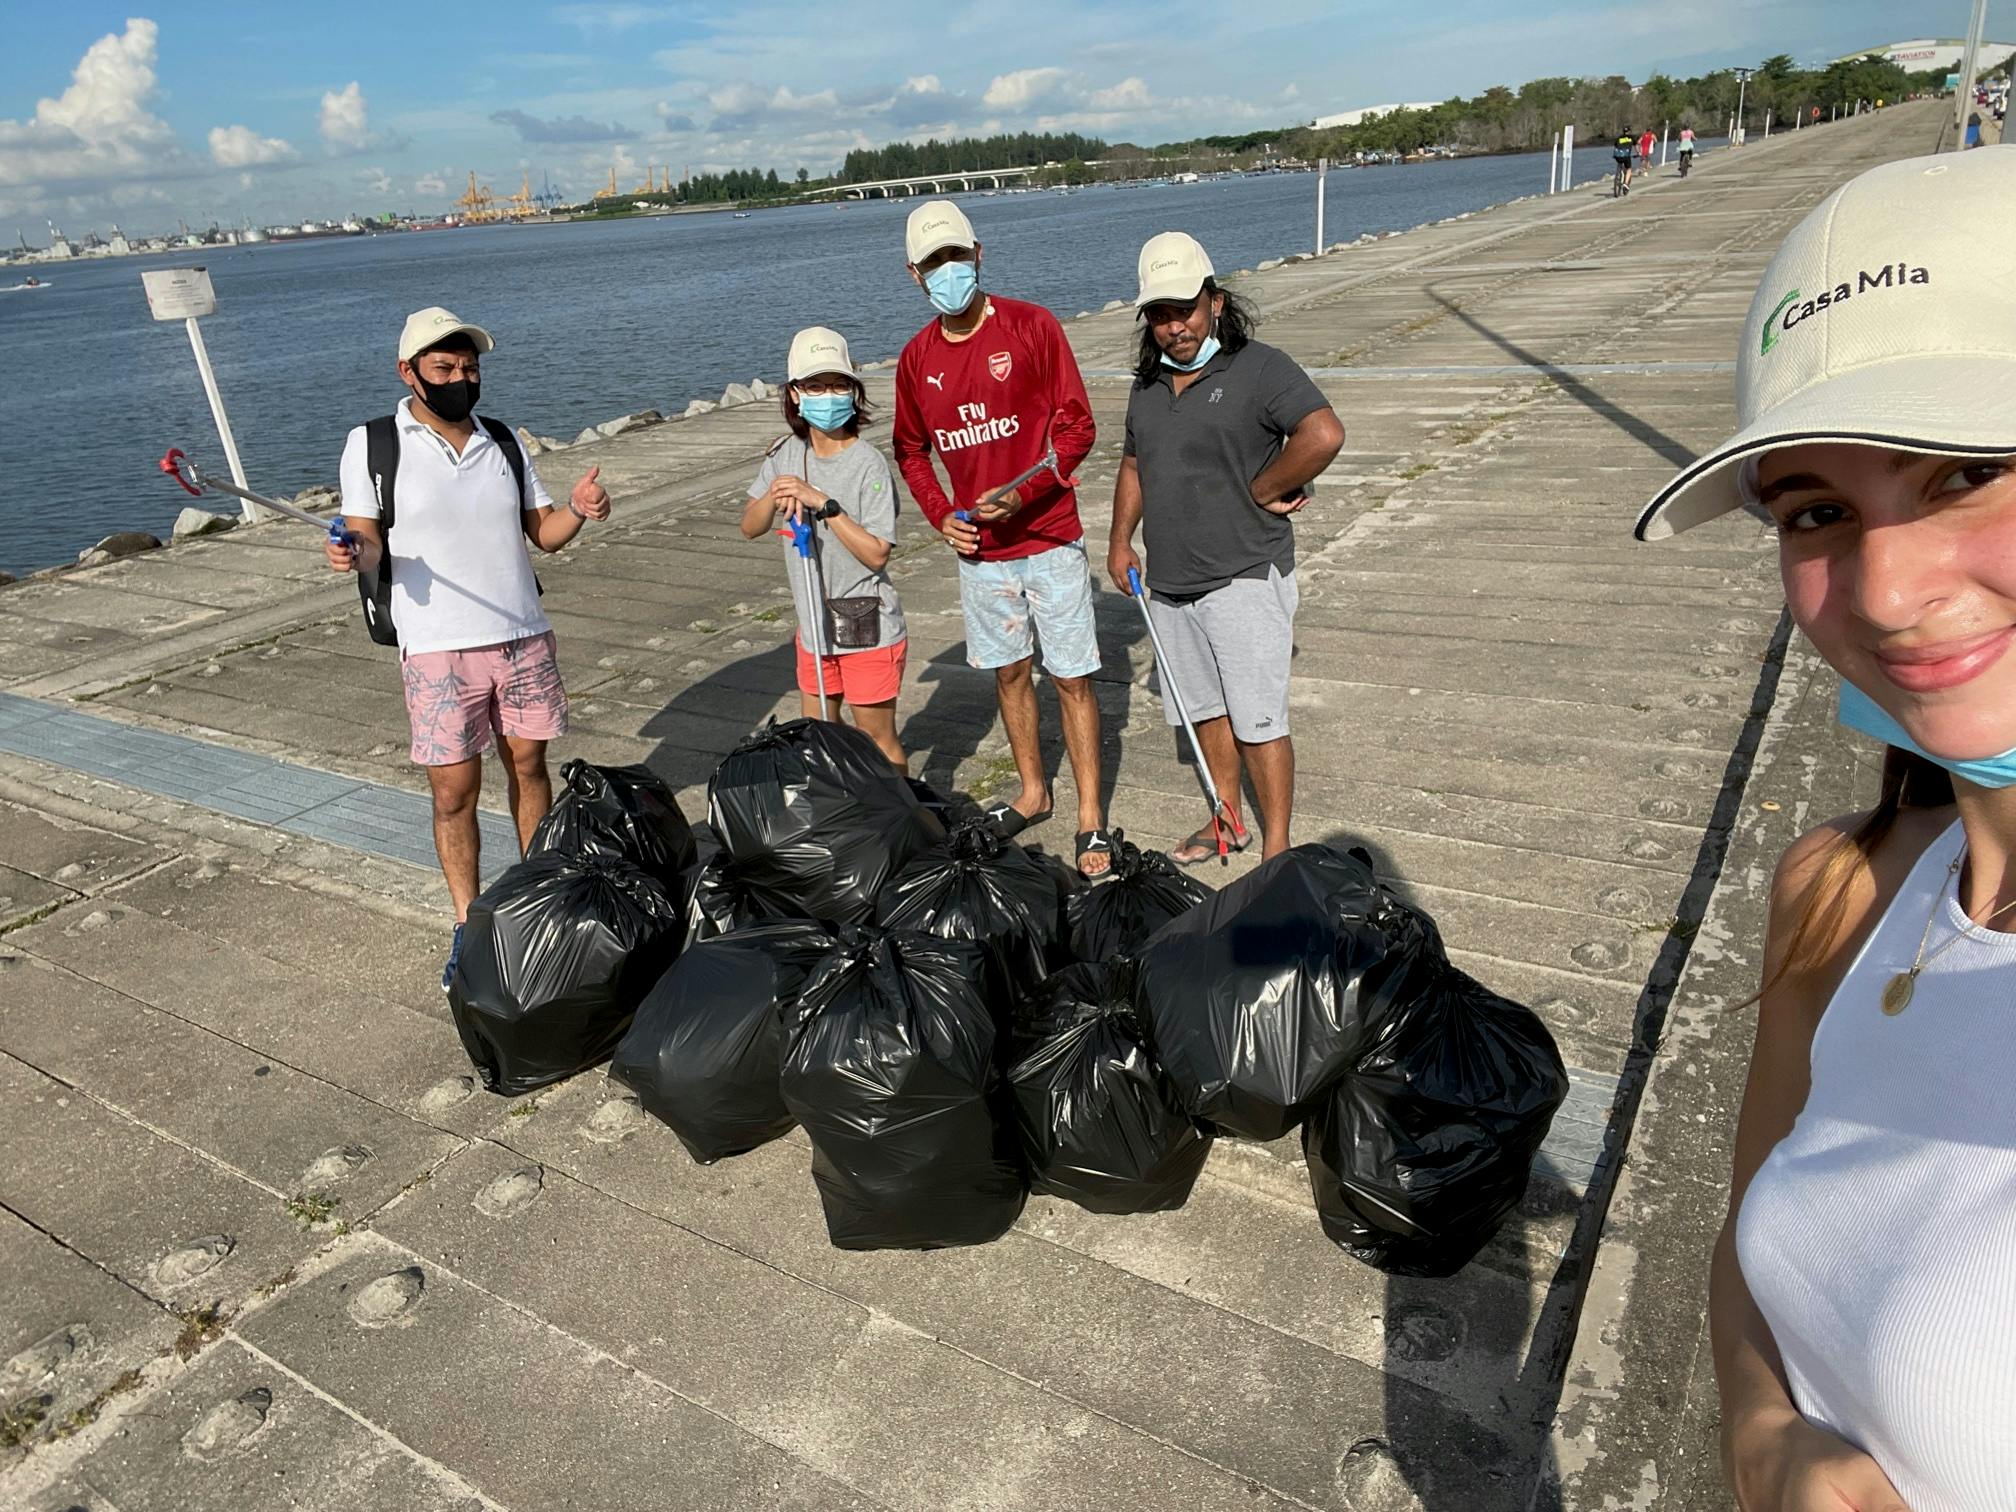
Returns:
<point x="183" y="294"/>
<point x="179" y="293"/>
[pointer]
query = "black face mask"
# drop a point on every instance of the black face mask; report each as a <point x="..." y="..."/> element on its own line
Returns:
<point x="453" y="402"/>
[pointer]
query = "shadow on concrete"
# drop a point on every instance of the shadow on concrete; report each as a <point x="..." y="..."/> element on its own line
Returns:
<point x="943" y="731"/>
<point x="1668" y="447"/>
<point x="1429" y="1321"/>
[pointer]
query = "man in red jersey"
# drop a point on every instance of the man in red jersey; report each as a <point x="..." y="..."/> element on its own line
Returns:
<point x="989" y="386"/>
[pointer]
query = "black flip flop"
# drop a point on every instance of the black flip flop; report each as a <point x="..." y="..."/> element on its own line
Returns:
<point x="1095" y="842"/>
<point x="1236" y="841"/>
<point x="1011" y="821"/>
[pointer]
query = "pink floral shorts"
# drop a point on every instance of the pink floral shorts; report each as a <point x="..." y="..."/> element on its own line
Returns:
<point x="456" y="700"/>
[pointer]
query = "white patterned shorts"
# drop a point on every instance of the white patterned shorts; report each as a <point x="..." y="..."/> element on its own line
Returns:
<point x="1010" y="606"/>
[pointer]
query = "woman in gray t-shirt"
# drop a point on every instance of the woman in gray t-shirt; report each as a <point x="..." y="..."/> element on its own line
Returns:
<point x="823" y="474"/>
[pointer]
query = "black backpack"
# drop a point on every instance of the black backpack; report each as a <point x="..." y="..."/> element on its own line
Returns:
<point x="381" y="460"/>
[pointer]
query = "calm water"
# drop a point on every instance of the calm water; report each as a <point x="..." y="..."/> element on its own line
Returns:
<point x="591" y="321"/>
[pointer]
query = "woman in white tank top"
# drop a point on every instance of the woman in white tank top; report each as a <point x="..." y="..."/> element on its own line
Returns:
<point x="1863" y="1302"/>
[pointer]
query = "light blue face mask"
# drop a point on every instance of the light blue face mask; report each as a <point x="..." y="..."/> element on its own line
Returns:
<point x="826" y="412"/>
<point x="952" y="286"/>
<point x="1862" y="713"/>
<point x="1206" y="350"/>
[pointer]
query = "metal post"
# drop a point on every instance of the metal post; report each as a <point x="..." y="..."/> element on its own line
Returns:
<point x="1665" y="133"/>
<point x="1767" y="123"/>
<point x="1567" y="158"/>
<point x="1322" y="173"/>
<point x="1554" y="163"/>
<point x="250" y="510"/>
<point x="1742" y="83"/>
<point x="1963" y="97"/>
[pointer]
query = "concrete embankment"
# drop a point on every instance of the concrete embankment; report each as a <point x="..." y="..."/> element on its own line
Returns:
<point x="235" y="1107"/>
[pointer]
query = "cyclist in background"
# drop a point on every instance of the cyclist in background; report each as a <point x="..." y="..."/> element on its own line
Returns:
<point x="1621" y="152"/>
<point x="1686" y="149"/>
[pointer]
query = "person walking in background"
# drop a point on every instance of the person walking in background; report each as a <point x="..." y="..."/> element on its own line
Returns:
<point x="1646" y="145"/>
<point x="988" y="386"/>
<point x="1863" y="1301"/>
<point x="822" y="474"/>
<point x="1224" y="435"/>
<point x="477" y="655"/>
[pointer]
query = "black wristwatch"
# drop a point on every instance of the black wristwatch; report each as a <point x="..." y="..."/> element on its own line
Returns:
<point x="829" y="509"/>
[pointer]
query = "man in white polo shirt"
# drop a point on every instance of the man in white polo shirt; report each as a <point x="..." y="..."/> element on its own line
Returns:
<point x="476" y="651"/>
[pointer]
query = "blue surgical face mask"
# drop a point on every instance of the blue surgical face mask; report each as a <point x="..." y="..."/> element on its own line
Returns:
<point x="1206" y="350"/>
<point x="826" y="412"/>
<point x="952" y="286"/>
<point x="1861" y="712"/>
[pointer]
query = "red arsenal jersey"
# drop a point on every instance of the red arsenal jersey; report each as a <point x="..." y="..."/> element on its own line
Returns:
<point x="988" y="406"/>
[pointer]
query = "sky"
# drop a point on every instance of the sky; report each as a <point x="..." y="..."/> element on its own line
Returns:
<point x="228" y="112"/>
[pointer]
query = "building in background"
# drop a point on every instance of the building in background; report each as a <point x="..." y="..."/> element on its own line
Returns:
<point x="1357" y="117"/>
<point x="1941" y="53"/>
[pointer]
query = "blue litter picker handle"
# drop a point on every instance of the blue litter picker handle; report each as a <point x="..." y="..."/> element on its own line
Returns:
<point x="801" y="535"/>
<point x="1134" y="581"/>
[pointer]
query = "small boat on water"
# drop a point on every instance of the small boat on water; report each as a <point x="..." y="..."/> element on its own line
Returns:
<point x="23" y="288"/>
<point x="741" y="215"/>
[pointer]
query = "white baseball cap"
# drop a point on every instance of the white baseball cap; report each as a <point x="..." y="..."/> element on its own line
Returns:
<point x="434" y="325"/>
<point x="819" y="349"/>
<point x="935" y="224"/>
<point x="1887" y="318"/>
<point x="1172" y="269"/>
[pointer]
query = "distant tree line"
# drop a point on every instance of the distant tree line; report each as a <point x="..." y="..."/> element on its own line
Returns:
<point x="1526" y="119"/>
<point x="1021" y="149"/>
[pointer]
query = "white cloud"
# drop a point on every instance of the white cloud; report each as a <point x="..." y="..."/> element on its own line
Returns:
<point x="377" y="181"/>
<point x="99" y="131"/>
<point x="242" y="147"/>
<point x="1128" y="95"/>
<point x="346" y="118"/>
<point x="430" y="183"/>
<point x="923" y="84"/>
<point x="1023" y="87"/>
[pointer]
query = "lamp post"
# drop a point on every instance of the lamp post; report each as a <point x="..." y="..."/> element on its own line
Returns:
<point x="1742" y="80"/>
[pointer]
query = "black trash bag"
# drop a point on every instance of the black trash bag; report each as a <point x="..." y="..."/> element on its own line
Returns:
<point x="890" y="1064"/>
<point x="1099" y="1121"/>
<point x="1260" y="998"/>
<point x="815" y="820"/>
<point x="556" y="956"/>
<point x="1423" y="1148"/>
<point x="1144" y="891"/>
<point x="628" y="812"/>
<point x="949" y="812"/>
<point x="981" y="886"/>
<point x="716" y="901"/>
<point x="704" y="1051"/>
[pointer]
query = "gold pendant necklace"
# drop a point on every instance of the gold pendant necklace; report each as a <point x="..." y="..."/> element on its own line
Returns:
<point x="1903" y="985"/>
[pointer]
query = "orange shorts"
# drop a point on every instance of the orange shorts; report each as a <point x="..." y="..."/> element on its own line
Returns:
<point x="859" y="677"/>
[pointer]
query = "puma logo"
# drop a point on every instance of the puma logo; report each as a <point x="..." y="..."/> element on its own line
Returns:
<point x="937" y="381"/>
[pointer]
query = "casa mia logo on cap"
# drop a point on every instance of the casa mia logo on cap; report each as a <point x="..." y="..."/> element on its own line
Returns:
<point x="1795" y="309"/>
<point x="1161" y="263"/>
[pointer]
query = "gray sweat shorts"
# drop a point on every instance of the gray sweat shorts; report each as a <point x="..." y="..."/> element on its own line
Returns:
<point x="1228" y="654"/>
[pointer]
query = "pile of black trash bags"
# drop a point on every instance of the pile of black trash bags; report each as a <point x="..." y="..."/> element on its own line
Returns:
<point x="956" y="1021"/>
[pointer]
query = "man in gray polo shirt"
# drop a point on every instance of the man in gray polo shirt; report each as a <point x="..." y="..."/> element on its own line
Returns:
<point x="1224" y="435"/>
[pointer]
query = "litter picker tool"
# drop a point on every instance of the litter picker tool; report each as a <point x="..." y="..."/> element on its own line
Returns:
<point x="1222" y="824"/>
<point x="1045" y="463"/>
<point x="196" y="481"/>
<point x="802" y="533"/>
